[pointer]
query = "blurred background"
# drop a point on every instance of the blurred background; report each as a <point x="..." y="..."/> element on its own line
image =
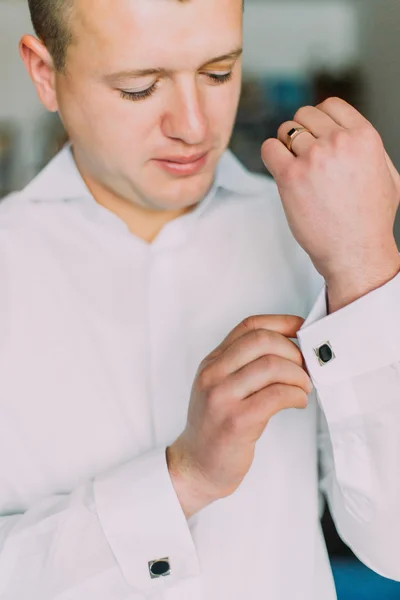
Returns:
<point x="296" y="52"/>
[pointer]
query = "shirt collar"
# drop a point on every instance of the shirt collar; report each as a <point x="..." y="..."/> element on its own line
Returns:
<point x="232" y="175"/>
<point x="61" y="180"/>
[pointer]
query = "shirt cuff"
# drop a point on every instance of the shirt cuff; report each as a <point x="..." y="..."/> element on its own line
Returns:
<point x="143" y="521"/>
<point x="362" y="337"/>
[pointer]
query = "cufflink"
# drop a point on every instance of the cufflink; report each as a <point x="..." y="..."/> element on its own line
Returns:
<point x="324" y="353"/>
<point x="159" y="568"/>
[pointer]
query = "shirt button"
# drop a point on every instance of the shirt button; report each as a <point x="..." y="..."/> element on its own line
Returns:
<point x="324" y="353"/>
<point x="159" y="568"/>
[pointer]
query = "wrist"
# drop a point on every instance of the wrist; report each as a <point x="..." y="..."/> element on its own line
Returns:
<point x="189" y="486"/>
<point x="348" y="285"/>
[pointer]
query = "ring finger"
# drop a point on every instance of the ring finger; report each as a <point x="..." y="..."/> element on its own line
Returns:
<point x="302" y="142"/>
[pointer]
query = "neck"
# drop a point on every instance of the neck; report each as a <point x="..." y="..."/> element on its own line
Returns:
<point x="142" y="222"/>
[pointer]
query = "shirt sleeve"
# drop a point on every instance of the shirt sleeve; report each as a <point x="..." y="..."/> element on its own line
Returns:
<point x="353" y="357"/>
<point x="99" y="540"/>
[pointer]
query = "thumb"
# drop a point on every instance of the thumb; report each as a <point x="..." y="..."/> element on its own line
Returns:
<point x="276" y="157"/>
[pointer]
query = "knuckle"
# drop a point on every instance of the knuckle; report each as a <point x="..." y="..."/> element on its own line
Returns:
<point x="317" y="155"/>
<point x="278" y="392"/>
<point x="261" y="337"/>
<point x="249" y="323"/>
<point x="219" y="398"/>
<point x="205" y="378"/>
<point x="331" y="102"/>
<point x="203" y="365"/>
<point x="340" y="139"/>
<point x="301" y="113"/>
<point x="271" y="362"/>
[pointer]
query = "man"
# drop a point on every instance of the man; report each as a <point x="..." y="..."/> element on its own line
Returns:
<point x="151" y="290"/>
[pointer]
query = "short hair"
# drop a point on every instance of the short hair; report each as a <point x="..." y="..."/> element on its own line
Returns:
<point x="51" y="21"/>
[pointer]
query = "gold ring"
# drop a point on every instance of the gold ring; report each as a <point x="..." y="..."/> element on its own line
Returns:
<point x="293" y="134"/>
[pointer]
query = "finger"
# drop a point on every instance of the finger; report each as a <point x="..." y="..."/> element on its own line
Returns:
<point x="276" y="157"/>
<point x="254" y="345"/>
<point x="342" y="113"/>
<point x="250" y="347"/>
<point x="286" y="325"/>
<point x="263" y="372"/>
<point x="303" y="141"/>
<point x="266" y="403"/>
<point x="319" y="123"/>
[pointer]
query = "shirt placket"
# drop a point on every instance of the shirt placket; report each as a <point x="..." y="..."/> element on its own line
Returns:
<point x="167" y="348"/>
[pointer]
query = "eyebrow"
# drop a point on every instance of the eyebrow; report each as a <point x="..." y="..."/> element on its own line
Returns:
<point x="131" y="73"/>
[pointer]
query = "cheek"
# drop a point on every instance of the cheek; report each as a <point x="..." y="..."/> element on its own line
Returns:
<point x="222" y="107"/>
<point x="104" y="118"/>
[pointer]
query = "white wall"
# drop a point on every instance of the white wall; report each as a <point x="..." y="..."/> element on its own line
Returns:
<point x="286" y="37"/>
<point x="18" y="101"/>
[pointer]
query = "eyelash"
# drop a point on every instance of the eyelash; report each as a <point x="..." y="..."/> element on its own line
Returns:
<point x="135" y="96"/>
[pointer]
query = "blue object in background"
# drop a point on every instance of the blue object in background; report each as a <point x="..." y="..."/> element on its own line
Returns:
<point x="354" y="581"/>
<point x="284" y="95"/>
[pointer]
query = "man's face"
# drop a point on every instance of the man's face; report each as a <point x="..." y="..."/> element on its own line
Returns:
<point x="125" y="123"/>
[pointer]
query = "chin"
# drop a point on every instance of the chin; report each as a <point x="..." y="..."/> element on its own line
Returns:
<point x="174" y="204"/>
<point x="187" y="193"/>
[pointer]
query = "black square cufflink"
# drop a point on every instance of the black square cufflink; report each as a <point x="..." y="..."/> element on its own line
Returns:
<point x="324" y="353"/>
<point x="159" y="568"/>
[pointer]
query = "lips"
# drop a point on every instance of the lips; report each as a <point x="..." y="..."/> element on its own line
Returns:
<point x="183" y="160"/>
<point x="183" y="166"/>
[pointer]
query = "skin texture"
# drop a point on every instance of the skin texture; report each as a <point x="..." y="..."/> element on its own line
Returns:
<point x="116" y="140"/>
<point x="339" y="190"/>
<point x="255" y="373"/>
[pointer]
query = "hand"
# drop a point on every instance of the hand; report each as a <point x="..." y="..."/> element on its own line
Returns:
<point x="340" y="192"/>
<point x="255" y="372"/>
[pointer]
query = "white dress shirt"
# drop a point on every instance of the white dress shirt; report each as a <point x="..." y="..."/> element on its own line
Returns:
<point x="101" y="335"/>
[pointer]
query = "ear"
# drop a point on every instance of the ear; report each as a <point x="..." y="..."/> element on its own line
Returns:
<point x="40" y="67"/>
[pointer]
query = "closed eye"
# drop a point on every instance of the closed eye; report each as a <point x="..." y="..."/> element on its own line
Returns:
<point x="135" y="96"/>
<point x="215" y="78"/>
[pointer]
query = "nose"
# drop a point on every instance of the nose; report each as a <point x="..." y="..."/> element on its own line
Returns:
<point x="185" y="119"/>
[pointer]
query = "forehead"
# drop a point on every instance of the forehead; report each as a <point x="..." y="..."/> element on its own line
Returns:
<point x="156" y="33"/>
